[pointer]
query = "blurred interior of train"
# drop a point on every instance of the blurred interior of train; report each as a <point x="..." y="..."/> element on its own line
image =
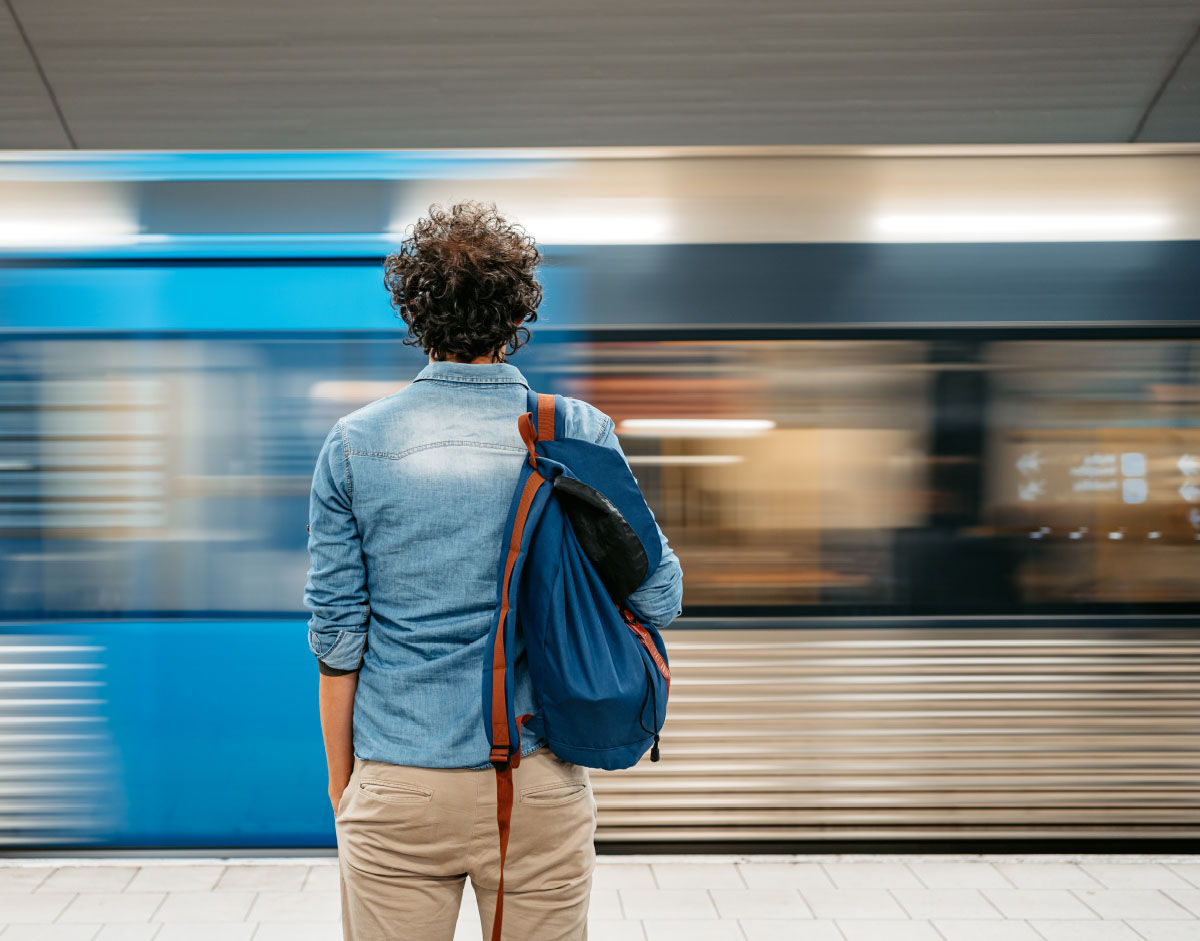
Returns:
<point x="170" y="475"/>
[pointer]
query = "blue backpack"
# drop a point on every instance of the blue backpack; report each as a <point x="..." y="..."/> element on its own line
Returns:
<point x="580" y="539"/>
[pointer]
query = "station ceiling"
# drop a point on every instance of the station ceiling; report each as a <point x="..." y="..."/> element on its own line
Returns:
<point x="231" y="74"/>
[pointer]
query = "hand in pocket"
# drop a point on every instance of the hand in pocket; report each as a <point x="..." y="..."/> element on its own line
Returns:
<point x="335" y="796"/>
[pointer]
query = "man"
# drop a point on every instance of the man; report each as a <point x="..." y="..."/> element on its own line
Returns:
<point x="408" y="505"/>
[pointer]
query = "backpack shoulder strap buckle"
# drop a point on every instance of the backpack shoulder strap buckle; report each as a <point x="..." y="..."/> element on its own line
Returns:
<point x="499" y="758"/>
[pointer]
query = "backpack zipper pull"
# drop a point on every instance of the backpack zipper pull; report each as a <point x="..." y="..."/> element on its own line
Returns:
<point x="654" y="755"/>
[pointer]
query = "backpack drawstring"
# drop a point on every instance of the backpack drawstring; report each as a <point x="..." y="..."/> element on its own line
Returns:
<point x="650" y="694"/>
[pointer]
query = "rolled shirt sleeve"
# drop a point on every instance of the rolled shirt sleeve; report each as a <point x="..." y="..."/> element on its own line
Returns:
<point x="659" y="600"/>
<point x="336" y="591"/>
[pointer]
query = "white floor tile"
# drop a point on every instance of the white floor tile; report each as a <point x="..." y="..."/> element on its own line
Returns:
<point x="200" y="907"/>
<point x="959" y="875"/>
<point x="1085" y="931"/>
<point x="889" y="931"/>
<point x="37" y="908"/>
<point x="647" y="898"/>
<point x="784" y="875"/>
<point x="50" y="932"/>
<point x="321" y="879"/>
<point x="945" y="903"/>
<point x="284" y="932"/>
<point x="623" y="876"/>
<point x="1135" y="876"/>
<point x="692" y="930"/>
<point x="852" y="903"/>
<point x="1189" y="871"/>
<point x="208" y="931"/>
<point x="88" y="879"/>
<point x="467" y="927"/>
<point x="605" y="903"/>
<point x="691" y="904"/>
<point x="1047" y="876"/>
<point x="1167" y="930"/>
<point x="104" y="907"/>
<point x="295" y="907"/>
<point x="698" y="876"/>
<point x="264" y="878"/>
<point x="977" y="930"/>
<point x="127" y="932"/>
<point x="778" y="929"/>
<point x="22" y="878"/>
<point x="1188" y="898"/>
<point x="760" y="903"/>
<point x="864" y="875"/>
<point x="609" y="929"/>
<point x="1117" y="904"/>
<point x="1038" y="903"/>
<point x="169" y="878"/>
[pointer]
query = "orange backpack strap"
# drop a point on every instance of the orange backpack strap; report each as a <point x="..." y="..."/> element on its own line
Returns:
<point x="500" y="742"/>
<point x="504" y="802"/>
<point x="545" y="417"/>
<point x="545" y="427"/>
<point x="500" y="758"/>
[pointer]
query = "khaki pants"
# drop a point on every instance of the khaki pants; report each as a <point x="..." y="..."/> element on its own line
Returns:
<point x="408" y="838"/>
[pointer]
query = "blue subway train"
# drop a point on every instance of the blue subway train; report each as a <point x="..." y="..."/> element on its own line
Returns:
<point x="923" y="426"/>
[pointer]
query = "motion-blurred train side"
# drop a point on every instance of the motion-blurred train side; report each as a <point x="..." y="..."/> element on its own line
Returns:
<point x="936" y="497"/>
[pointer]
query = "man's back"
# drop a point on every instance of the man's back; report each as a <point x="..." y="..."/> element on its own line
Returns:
<point x="409" y="501"/>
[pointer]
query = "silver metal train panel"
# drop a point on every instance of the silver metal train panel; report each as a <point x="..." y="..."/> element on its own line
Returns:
<point x="920" y="733"/>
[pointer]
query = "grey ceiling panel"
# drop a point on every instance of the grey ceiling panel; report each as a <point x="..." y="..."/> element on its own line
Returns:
<point x="27" y="117"/>
<point x="1176" y="115"/>
<point x="368" y="73"/>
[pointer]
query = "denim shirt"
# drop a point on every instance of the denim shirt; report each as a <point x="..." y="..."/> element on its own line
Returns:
<point x="406" y="515"/>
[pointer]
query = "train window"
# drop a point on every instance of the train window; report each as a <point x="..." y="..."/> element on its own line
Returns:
<point x="151" y="476"/>
<point x="1093" y="469"/>
<point x="165" y="475"/>
<point x="780" y="470"/>
<point x="147" y="475"/>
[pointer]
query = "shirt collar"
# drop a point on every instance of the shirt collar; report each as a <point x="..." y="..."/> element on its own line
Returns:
<point x="472" y="372"/>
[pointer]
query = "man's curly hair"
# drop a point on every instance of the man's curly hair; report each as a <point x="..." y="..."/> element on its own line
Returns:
<point x="463" y="281"/>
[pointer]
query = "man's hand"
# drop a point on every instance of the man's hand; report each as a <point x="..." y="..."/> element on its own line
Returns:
<point x="337" y="725"/>
<point x="335" y="795"/>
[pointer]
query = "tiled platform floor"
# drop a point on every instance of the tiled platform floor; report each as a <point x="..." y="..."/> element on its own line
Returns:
<point x="653" y="898"/>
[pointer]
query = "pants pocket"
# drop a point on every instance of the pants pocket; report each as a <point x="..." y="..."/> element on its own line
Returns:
<point x="396" y="792"/>
<point x="558" y="792"/>
<point x="553" y="782"/>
